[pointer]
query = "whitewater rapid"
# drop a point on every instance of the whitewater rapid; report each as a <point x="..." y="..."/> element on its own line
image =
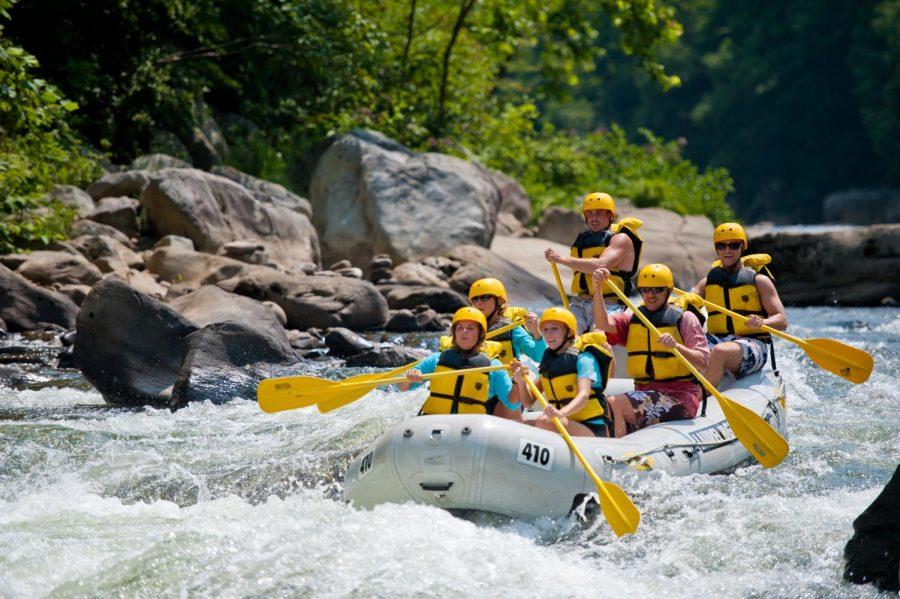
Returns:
<point x="226" y="501"/>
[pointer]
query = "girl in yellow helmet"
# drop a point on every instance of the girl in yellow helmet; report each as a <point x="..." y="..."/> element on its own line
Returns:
<point x="480" y="393"/>
<point x="489" y="296"/>
<point x="573" y="377"/>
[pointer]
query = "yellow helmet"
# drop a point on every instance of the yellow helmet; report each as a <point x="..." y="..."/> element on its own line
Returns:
<point x="728" y="232"/>
<point x="560" y="315"/>
<point x="470" y="313"/>
<point x="655" y="275"/>
<point x="598" y="201"/>
<point x="488" y="287"/>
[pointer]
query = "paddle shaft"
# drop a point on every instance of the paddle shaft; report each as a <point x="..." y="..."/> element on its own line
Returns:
<point x="607" y="500"/>
<point x="559" y="285"/>
<point x="798" y="341"/>
<point x="425" y="377"/>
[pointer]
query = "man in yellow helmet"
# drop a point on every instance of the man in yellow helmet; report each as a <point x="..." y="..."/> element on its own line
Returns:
<point x="606" y="243"/>
<point x="738" y="348"/>
<point x="489" y="296"/>
<point x="574" y="373"/>
<point x="664" y="388"/>
<point x="480" y="393"/>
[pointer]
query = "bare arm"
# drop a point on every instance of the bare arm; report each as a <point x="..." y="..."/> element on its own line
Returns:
<point x="771" y="303"/>
<point x="619" y="246"/>
<point x="601" y="320"/>
<point x="700" y="288"/>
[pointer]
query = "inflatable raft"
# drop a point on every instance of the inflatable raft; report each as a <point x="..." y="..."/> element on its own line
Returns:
<point x="490" y="464"/>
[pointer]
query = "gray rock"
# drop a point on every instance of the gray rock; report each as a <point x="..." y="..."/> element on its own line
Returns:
<point x="118" y="213"/>
<point x="13" y="261"/>
<point x="183" y="267"/>
<point x="350" y="272"/>
<point x="387" y="357"/>
<point x="873" y="553"/>
<point x="175" y="241"/>
<point x="513" y="199"/>
<point x="440" y="299"/>
<point x="145" y="283"/>
<point x="852" y="267"/>
<point x="343" y="342"/>
<point x="24" y="306"/>
<point x="277" y="311"/>
<point x="304" y="340"/>
<point x="73" y="197"/>
<point x="266" y="191"/>
<point x="381" y="261"/>
<point x="89" y="227"/>
<point x="314" y="301"/>
<point x="210" y="304"/>
<point x="371" y="195"/>
<point x="212" y="211"/>
<point x="508" y="226"/>
<point x="63" y="268"/>
<point x="107" y="254"/>
<point x="207" y="144"/>
<point x="76" y="293"/>
<point x="126" y="183"/>
<point x="402" y="321"/>
<point x="250" y="252"/>
<point x="414" y="273"/>
<point x="522" y="287"/>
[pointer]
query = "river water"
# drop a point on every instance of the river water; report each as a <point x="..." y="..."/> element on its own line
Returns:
<point x="226" y="501"/>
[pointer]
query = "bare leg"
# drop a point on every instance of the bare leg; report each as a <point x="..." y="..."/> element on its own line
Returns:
<point x="623" y="414"/>
<point x="724" y="356"/>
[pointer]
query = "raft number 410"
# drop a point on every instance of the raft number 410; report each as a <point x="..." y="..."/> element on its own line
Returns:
<point x="535" y="454"/>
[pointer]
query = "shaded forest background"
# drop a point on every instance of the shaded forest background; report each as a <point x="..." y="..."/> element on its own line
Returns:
<point x="701" y="106"/>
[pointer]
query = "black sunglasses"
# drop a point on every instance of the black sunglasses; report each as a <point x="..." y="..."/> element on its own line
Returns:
<point x="645" y="290"/>
<point x="483" y="298"/>
<point x="734" y="245"/>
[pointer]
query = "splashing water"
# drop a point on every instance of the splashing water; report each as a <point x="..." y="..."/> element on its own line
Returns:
<point x="226" y="501"/>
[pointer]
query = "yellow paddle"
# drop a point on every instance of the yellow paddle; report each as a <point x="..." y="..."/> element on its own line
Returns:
<point x="846" y="361"/>
<point x="288" y="393"/>
<point x="620" y="512"/>
<point x="757" y="435"/>
<point x="559" y="285"/>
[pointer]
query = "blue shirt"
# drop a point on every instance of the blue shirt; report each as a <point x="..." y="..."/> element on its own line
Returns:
<point x="524" y="344"/>
<point x="499" y="383"/>
<point x="589" y="368"/>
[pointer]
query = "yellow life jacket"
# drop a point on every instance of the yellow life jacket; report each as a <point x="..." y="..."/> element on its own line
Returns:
<point x="690" y="302"/>
<point x="488" y="347"/>
<point x="735" y="290"/>
<point x="465" y="394"/>
<point x="591" y="245"/>
<point x="559" y="376"/>
<point x="648" y="359"/>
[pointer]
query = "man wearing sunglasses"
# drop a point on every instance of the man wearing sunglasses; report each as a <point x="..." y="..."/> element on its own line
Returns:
<point x="738" y="348"/>
<point x="606" y="243"/>
<point x="664" y="388"/>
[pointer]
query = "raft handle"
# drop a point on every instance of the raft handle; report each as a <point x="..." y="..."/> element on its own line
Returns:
<point x="436" y="486"/>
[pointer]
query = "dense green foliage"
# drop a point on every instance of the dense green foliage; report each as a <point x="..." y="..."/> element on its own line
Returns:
<point x="279" y="76"/>
<point x="37" y="149"/>
<point x="797" y="99"/>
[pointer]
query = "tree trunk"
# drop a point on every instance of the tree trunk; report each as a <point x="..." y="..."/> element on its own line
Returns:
<point x="464" y="7"/>
<point x="410" y="23"/>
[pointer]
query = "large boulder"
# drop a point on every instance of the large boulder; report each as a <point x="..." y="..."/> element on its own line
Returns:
<point x="314" y="301"/>
<point x="74" y="198"/>
<point x="107" y="254"/>
<point x="86" y="226"/>
<point x="25" y="306"/>
<point x="513" y="199"/>
<point x="179" y="266"/>
<point x="125" y="183"/>
<point x="47" y="268"/>
<point x="440" y="299"/>
<point x="683" y="243"/>
<point x="119" y="213"/>
<point x="129" y="345"/>
<point x="212" y="211"/>
<point x="227" y="360"/>
<point x="372" y="195"/>
<point x="522" y="287"/>
<point x="873" y="553"/>
<point x="210" y="304"/>
<point x="859" y="266"/>
<point x="157" y="162"/>
<point x="266" y="191"/>
<point x="138" y="351"/>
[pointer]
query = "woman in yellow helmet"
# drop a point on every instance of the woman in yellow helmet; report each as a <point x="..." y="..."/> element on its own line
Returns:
<point x="480" y="393"/>
<point x="574" y="374"/>
<point x="664" y="389"/>
<point x="738" y="348"/>
<point x="489" y="296"/>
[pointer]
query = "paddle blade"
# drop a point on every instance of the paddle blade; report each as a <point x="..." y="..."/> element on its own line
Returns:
<point x="332" y="400"/>
<point x="621" y="513"/>
<point x="846" y="361"/>
<point x="761" y="440"/>
<point x="289" y="393"/>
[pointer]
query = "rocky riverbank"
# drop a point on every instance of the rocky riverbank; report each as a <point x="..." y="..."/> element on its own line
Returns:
<point x="176" y="279"/>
